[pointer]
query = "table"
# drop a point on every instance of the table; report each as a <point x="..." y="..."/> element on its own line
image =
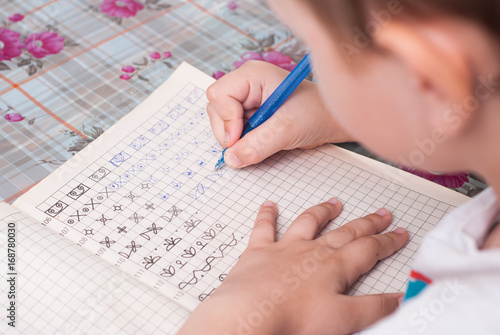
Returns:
<point x="70" y="69"/>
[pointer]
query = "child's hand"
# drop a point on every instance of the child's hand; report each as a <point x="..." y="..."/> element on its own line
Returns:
<point x="297" y="285"/>
<point x="302" y="122"/>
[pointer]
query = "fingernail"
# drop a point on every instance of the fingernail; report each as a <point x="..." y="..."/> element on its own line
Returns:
<point x="232" y="160"/>
<point x="333" y="201"/>
<point x="226" y="139"/>
<point x="382" y="212"/>
<point x="268" y="204"/>
<point x="399" y="231"/>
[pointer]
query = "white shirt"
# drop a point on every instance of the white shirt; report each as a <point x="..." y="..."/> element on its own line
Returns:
<point x="464" y="297"/>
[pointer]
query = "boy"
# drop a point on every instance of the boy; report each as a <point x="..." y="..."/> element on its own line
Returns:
<point x="394" y="76"/>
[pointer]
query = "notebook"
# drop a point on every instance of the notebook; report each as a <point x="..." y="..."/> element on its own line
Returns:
<point x="135" y="231"/>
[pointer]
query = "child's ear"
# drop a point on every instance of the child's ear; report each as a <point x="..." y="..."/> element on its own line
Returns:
<point x="440" y="68"/>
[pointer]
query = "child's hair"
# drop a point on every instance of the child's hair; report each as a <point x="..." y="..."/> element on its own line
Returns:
<point x="342" y="17"/>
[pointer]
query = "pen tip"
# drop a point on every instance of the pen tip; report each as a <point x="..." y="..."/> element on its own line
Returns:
<point x="218" y="166"/>
<point x="220" y="162"/>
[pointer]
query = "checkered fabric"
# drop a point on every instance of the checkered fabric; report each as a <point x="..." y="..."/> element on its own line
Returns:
<point x="68" y="98"/>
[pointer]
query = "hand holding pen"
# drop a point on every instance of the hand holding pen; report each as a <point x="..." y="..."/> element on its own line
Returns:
<point x="302" y="122"/>
<point x="275" y="100"/>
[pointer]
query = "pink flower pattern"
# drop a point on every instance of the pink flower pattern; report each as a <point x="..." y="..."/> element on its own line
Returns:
<point x="44" y="44"/>
<point x="155" y="55"/>
<point x="121" y="8"/>
<point x="273" y="57"/>
<point x="10" y="44"/>
<point x="14" y="117"/>
<point x="232" y="5"/>
<point x="128" y="69"/>
<point x="16" y="17"/>
<point x="448" y="180"/>
<point x="218" y="74"/>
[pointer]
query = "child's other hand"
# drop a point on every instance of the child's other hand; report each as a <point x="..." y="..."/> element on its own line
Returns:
<point x="297" y="285"/>
<point x="302" y="122"/>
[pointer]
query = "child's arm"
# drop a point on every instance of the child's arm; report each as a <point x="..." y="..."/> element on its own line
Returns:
<point x="296" y="285"/>
<point x="302" y="122"/>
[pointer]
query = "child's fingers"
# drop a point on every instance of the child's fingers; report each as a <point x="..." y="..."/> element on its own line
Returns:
<point x="232" y="95"/>
<point x="365" y="226"/>
<point x="363" y="311"/>
<point x="264" y="227"/>
<point x="359" y="256"/>
<point x="308" y="224"/>
<point x="217" y="125"/>
<point x="272" y="136"/>
<point x="226" y="113"/>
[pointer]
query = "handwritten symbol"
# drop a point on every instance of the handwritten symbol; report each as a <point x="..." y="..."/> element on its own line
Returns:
<point x="203" y="296"/>
<point x="149" y="158"/>
<point x="208" y="263"/>
<point x="150" y="261"/>
<point x="145" y="186"/>
<point x="136" y="218"/>
<point x="131" y="196"/>
<point x="106" y="192"/>
<point x="154" y="229"/>
<point x="174" y="211"/>
<point x="88" y="231"/>
<point x="122" y="229"/>
<point x="150" y="206"/>
<point x="215" y="150"/>
<point x="99" y="174"/>
<point x="103" y="219"/>
<point x="77" y="215"/>
<point x="133" y="248"/>
<point x="152" y="181"/>
<point x="119" y="159"/>
<point x="199" y="190"/>
<point x="117" y="208"/>
<point x="56" y="209"/>
<point x="170" y="272"/>
<point x="159" y="127"/>
<point x="209" y="235"/>
<point x="92" y="204"/>
<point x="189" y="253"/>
<point x="107" y="242"/>
<point x="140" y="142"/>
<point x="189" y="173"/>
<point x="191" y="224"/>
<point x="163" y="195"/>
<point x="171" y="242"/>
<point x="78" y="191"/>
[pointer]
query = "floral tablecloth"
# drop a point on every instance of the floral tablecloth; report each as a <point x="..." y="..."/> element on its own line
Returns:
<point x="69" y="69"/>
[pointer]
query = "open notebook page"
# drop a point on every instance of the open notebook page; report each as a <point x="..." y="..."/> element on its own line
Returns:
<point x="63" y="289"/>
<point x="144" y="196"/>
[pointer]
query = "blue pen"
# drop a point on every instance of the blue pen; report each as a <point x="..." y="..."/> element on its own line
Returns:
<point x="275" y="100"/>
